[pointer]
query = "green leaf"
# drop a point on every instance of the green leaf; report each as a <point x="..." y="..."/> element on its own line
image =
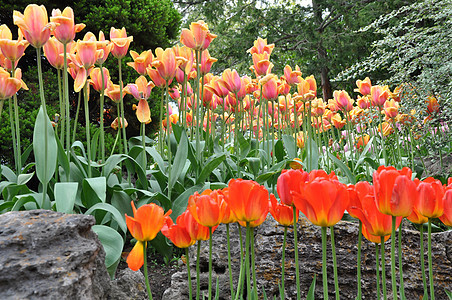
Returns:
<point x="26" y="154"/>
<point x="24" y="178"/>
<point x="65" y="195"/>
<point x="93" y="191"/>
<point x="22" y="199"/>
<point x="290" y="145"/>
<point x="211" y="165"/>
<point x="163" y="200"/>
<point x="314" y="157"/>
<point x="161" y="245"/>
<point x="157" y="157"/>
<point x="244" y="145"/>
<point x="363" y="154"/>
<point x="180" y="204"/>
<point x="279" y="150"/>
<point x="45" y="154"/>
<point x="255" y="164"/>
<point x="94" y="144"/>
<point x="112" y="242"/>
<point x="62" y="158"/>
<point x="120" y="219"/>
<point x="449" y="294"/>
<point x="179" y="161"/>
<point x="8" y="173"/>
<point x="374" y="164"/>
<point x="311" y="290"/>
<point x="344" y="168"/>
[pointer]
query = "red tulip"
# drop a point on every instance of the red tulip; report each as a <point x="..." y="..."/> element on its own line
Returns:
<point x="430" y="198"/>
<point x="207" y="208"/>
<point x="282" y="213"/>
<point x="289" y="182"/>
<point x="177" y="233"/>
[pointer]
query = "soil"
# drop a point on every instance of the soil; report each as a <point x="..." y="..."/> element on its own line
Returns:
<point x="159" y="272"/>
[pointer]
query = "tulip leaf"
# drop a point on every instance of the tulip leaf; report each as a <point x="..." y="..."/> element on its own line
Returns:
<point x="24" y="178"/>
<point x="93" y="191"/>
<point x="290" y="145"/>
<point x="180" y="204"/>
<point x="62" y="158"/>
<point x="313" y="154"/>
<point x="157" y="157"/>
<point x="35" y="198"/>
<point x="311" y="289"/>
<point x="8" y="173"/>
<point x="163" y="200"/>
<point x="211" y="165"/>
<point x="119" y="218"/>
<point x="279" y="150"/>
<point x="112" y="242"/>
<point x="44" y="147"/>
<point x="160" y="244"/>
<point x="344" y="168"/>
<point x="179" y="161"/>
<point x="449" y="294"/>
<point x="26" y="154"/>
<point x="364" y="154"/>
<point x="65" y="195"/>
<point x="244" y="145"/>
<point x="94" y="144"/>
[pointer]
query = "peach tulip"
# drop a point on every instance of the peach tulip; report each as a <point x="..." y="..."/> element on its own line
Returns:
<point x="12" y="49"/>
<point x="121" y="42"/>
<point x="141" y="61"/>
<point x="198" y="37"/>
<point x="66" y="29"/>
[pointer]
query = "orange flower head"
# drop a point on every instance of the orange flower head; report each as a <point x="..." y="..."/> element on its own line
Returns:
<point x="113" y="92"/>
<point x="121" y="42"/>
<point x="9" y="86"/>
<point x="141" y="61"/>
<point x="363" y="102"/>
<point x="387" y="128"/>
<point x="337" y="121"/>
<point x="433" y="105"/>
<point x="343" y="100"/>
<point x="177" y="233"/>
<point x="166" y="63"/>
<point x="248" y="200"/>
<point x="416" y="217"/>
<point x="430" y="198"/>
<point x="196" y="231"/>
<point x="143" y="112"/>
<point x="446" y="218"/>
<point x="146" y="222"/>
<point x="379" y="95"/>
<point x="206" y="62"/>
<point x="261" y="64"/>
<point x="282" y="213"/>
<point x="391" y="109"/>
<point x="141" y="89"/>
<point x="288" y="182"/>
<point x="54" y="52"/>
<point x="269" y="87"/>
<point x="232" y="80"/>
<point x="34" y="24"/>
<point x="12" y="49"/>
<point x="362" y="141"/>
<point x="395" y="192"/>
<point x="292" y="77"/>
<point x="198" y="37"/>
<point x="261" y="46"/>
<point x="373" y="238"/>
<point x="307" y="88"/>
<point x="96" y="79"/>
<point x="156" y="78"/>
<point x="364" y="86"/>
<point x="207" y="208"/>
<point x="66" y="29"/>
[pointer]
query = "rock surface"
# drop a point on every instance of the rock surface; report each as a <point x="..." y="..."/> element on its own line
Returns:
<point x="268" y="250"/>
<point x="50" y="255"/>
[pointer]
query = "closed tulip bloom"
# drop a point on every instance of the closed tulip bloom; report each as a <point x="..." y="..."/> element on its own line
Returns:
<point x="430" y="198"/>
<point x="394" y="191"/>
<point x="248" y="200"/>
<point x="177" y="233"/>
<point x="207" y="208"/>
<point x="196" y="231"/>
<point x="113" y="92"/>
<point x="143" y="112"/>
<point x="416" y="217"/>
<point x="116" y="123"/>
<point x="379" y="95"/>
<point x="141" y="61"/>
<point x="446" y="218"/>
<point x="12" y="49"/>
<point x="289" y="182"/>
<point x="433" y="105"/>
<point x="283" y="214"/>
<point x="206" y="62"/>
<point x="343" y="100"/>
<point x="66" y="29"/>
<point x="9" y="86"/>
<point x="364" y="86"/>
<point x="232" y="80"/>
<point x="260" y="46"/>
<point x="54" y="52"/>
<point x="391" y="109"/>
<point x="146" y="222"/>
<point x="96" y="79"/>
<point x="292" y="77"/>
<point x="363" y="102"/>
<point x="141" y="89"/>
<point x="34" y="24"/>
<point x="261" y="64"/>
<point x="121" y="42"/>
<point x="269" y="87"/>
<point x="373" y="238"/>
<point x="198" y="37"/>
<point x="166" y="63"/>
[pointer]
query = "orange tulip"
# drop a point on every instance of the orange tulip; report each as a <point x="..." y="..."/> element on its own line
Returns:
<point x="248" y="200"/>
<point x="166" y="63"/>
<point x="261" y="46"/>
<point x="391" y="109"/>
<point x="289" y="182"/>
<point x="362" y="141"/>
<point x="9" y="86"/>
<point x="416" y="217"/>
<point x="430" y="198"/>
<point x="363" y="102"/>
<point x="387" y="128"/>
<point x="307" y="88"/>
<point x="96" y="79"/>
<point x="373" y="238"/>
<point x="156" y="78"/>
<point x="196" y="231"/>
<point x="141" y="61"/>
<point x="343" y="100"/>
<point x="337" y="121"/>
<point x="207" y="208"/>
<point x="6" y="63"/>
<point x="432" y="107"/>
<point x="12" y="49"/>
<point x="146" y="222"/>
<point x="121" y="42"/>
<point x="198" y="37"/>
<point x="143" y="112"/>
<point x="292" y="77"/>
<point x="232" y="80"/>
<point x="141" y="89"/>
<point x="269" y="87"/>
<point x="53" y="51"/>
<point x="113" y="92"/>
<point x="66" y="29"/>
<point x="364" y="86"/>
<point x="446" y="218"/>
<point x="115" y="124"/>
<point x="101" y="44"/>
<point x="34" y="24"/>
<point x="282" y="213"/>
<point x="379" y="95"/>
<point x="177" y="233"/>
<point x="395" y="192"/>
<point x="261" y="64"/>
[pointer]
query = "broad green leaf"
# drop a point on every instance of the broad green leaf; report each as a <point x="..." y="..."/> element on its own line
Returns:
<point x="21" y="200"/>
<point x="94" y="144"/>
<point x="24" y="178"/>
<point x="211" y="165"/>
<point x="244" y="145"/>
<point x="93" y="191"/>
<point x="26" y="153"/>
<point x="313" y="158"/>
<point x="44" y="147"/>
<point x="344" y="168"/>
<point x="163" y="200"/>
<point x="65" y="195"/>
<point x="311" y="289"/>
<point x="112" y="242"/>
<point x="157" y="157"/>
<point x="449" y="294"/>
<point x="364" y="154"/>
<point x="179" y="161"/>
<point x="290" y="145"/>
<point x="63" y="159"/>
<point x="120" y="218"/>
<point x="8" y="173"/>
<point x="279" y="150"/>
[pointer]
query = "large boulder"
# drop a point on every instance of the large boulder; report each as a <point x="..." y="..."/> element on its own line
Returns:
<point x="268" y="250"/>
<point x="50" y="255"/>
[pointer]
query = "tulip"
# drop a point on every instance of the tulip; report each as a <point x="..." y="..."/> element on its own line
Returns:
<point x="433" y="105"/>
<point x="34" y="24"/>
<point x="261" y="46"/>
<point x="207" y="208"/>
<point x="53" y="51"/>
<point x="121" y="42"/>
<point x="364" y="86"/>
<point x="166" y="63"/>
<point x="96" y="79"/>
<point x="261" y="64"/>
<point x="198" y="37"/>
<point x="446" y="218"/>
<point x="206" y="62"/>
<point x="391" y="109"/>
<point x="115" y="124"/>
<point x="113" y="92"/>
<point x="379" y="95"/>
<point x="6" y="63"/>
<point x="141" y="61"/>
<point x="292" y="77"/>
<point x="141" y="89"/>
<point x="9" y="86"/>
<point x="232" y="80"/>
<point x="343" y="100"/>
<point x="143" y="112"/>
<point x="363" y="102"/>
<point x="13" y="50"/>
<point x="269" y="87"/>
<point x="430" y="198"/>
<point x="66" y="29"/>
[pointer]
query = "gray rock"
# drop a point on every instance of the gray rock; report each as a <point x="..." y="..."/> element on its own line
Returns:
<point x="268" y="250"/>
<point x="50" y="255"/>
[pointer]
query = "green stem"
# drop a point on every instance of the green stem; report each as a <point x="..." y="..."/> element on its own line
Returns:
<point x="401" y="288"/>
<point x="161" y="125"/>
<point x="295" y="238"/>
<point x="231" y="284"/>
<point x="253" y="262"/>
<point x="145" y="268"/>
<point x="124" y="136"/>
<point x="283" y="262"/>
<point x="168" y="139"/>
<point x="13" y="133"/>
<point x="62" y="112"/>
<point x="242" y="265"/>
<point x="76" y="117"/>
<point x="116" y="141"/>
<point x="377" y="267"/>
<point x="358" y="271"/>
<point x="143" y="144"/>
<point x="383" y="145"/>
<point x="430" y="264"/>
<point x="101" y="113"/>
<point x="88" y="137"/>
<point x="333" y="250"/>
<point x="2" y="101"/>
<point x="67" y="106"/>
<point x="247" y="260"/>
<point x="210" y="263"/>
<point x="198" y="281"/>
<point x="324" y="274"/>
<point x="383" y="268"/>
<point x="393" y="272"/>
<point x="187" y="256"/>
<point x="424" y="280"/>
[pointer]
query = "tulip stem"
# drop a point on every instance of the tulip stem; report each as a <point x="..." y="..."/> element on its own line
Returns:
<point x="324" y="275"/>
<point x="283" y="261"/>
<point x="67" y="114"/>
<point x="253" y="262"/>
<point x="13" y="134"/>
<point x="393" y="271"/>
<point x="247" y="260"/>
<point x="76" y="117"/>
<point x="385" y="156"/>
<point x="231" y="284"/>
<point x="161" y="125"/>
<point x="240" y="282"/>
<point x="333" y="250"/>
<point x="210" y="263"/>
<point x="114" y="144"/>
<point x="383" y="268"/>
<point x="143" y="144"/>
<point x="358" y="271"/>
<point x="88" y="137"/>
<point x="198" y="282"/>
<point x="121" y="101"/>
<point x="430" y="264"/>
<point x="187" y="256"/>
<point x="168" y="124"/>
<point x="145" y="268"/>
<point x="377" y="267"/>
<point x="19" y="155"/>
<point x="297" y="275"/>
<point x="424" y="280"/>
<point x="401" y="288"/>
<point x="62" y="112"/>
<point x="101" y="118"/>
